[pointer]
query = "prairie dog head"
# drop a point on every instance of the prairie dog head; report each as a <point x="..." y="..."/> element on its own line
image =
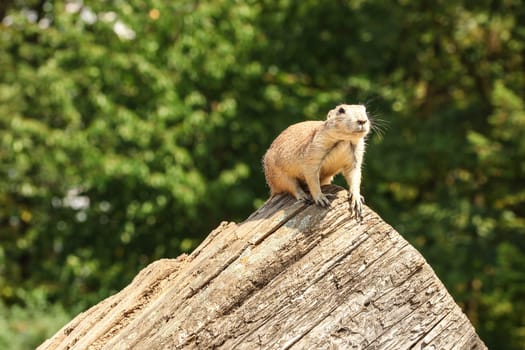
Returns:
<point x="348" y="121"/>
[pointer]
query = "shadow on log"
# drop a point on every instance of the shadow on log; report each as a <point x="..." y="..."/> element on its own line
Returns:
<point x="292" y="276"/>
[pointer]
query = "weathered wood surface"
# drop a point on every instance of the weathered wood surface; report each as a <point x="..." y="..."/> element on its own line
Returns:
<point x="292" y="276"/>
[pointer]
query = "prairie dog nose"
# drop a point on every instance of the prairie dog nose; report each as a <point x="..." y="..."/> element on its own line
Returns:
<point x="361" y="121"/>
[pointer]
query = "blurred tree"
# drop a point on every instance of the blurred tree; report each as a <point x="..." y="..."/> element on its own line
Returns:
<point x="129" y="129"/>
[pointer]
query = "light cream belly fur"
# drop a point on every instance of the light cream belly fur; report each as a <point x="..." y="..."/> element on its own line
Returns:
<point x="338" y="159"/>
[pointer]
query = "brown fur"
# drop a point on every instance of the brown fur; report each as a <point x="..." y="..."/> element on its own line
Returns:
<point x="311" y="153"/>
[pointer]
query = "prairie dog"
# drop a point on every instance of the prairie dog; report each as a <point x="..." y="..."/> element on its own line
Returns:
<point x="311" y="153"/>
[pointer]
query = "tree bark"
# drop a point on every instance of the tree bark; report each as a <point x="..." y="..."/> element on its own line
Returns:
<point x="292" y="276"/>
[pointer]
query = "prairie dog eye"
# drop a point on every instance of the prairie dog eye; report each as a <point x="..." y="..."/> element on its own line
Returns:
<point x="341" y="110"/>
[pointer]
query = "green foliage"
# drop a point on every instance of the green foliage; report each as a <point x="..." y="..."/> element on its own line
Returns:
<point x="26" y="326"/>
<point x="128" y="130"/>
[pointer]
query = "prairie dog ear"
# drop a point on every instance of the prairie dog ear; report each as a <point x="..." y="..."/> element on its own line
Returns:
<point x="332" y="113"/>
<point x="340" y="109"/>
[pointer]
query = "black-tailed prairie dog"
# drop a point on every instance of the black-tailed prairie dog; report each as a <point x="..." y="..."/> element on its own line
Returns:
<point x="311" y="153"/>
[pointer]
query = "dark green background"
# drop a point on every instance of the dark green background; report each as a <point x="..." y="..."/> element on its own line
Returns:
<point x="130" y="129"/>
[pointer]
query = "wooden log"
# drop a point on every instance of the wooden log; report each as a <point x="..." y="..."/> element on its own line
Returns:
<point x="292" y="276"/>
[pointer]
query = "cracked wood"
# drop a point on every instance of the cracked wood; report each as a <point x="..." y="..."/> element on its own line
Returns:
<point x="292" y="276"/>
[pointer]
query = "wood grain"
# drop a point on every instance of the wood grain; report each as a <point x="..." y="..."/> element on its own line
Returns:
<point x="292" y="276"/>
